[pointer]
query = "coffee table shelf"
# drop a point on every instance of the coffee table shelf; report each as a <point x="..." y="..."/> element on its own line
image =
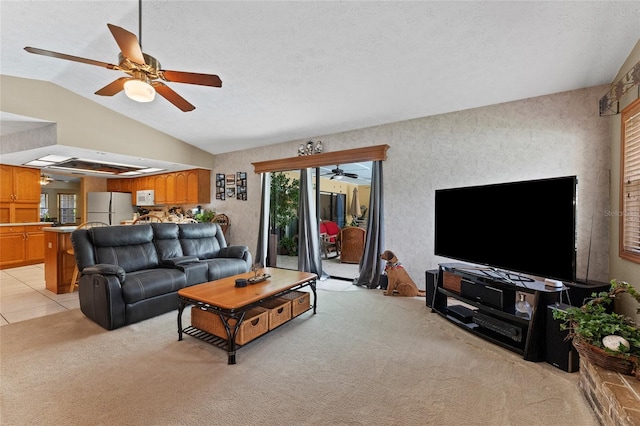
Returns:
<point x="221" y="297"/>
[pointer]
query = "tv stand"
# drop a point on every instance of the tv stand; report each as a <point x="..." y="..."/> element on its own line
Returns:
<point x="485" y="305"/>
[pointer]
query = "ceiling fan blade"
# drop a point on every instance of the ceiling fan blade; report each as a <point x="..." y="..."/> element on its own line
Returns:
<point x="192" y="78"/>
<point x="69" y="57"/>
<point x="114" y="87"/>
<point x="128" y="43"/>
<point x="167" y="93"/>
<point x="351" y="175"/>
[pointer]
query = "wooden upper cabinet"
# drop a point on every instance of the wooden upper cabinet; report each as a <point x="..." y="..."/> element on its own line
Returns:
<point x="160" y="188"/>
<point x="119" y="185"/>
<point x="184" y="187"/>
<point x="198" y="186"/>
<point x="171" y="188"/>
<point x="193" y="186"/>
<point x="6" y="183"/>
<point x="181" y="187"/>
<point x="19" y="184"/>
<point x="27" y="184"/>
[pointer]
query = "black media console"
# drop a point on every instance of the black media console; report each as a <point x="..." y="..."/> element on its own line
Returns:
<point x="483" y="301"/>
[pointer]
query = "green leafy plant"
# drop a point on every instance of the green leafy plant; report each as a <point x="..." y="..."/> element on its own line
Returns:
<point x="289" y="245"/>
<point x="591" y="322"/>
<point x="285" y="194"/>
<point x="205" y="216"/>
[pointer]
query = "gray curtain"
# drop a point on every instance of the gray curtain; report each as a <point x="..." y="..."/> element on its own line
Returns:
<point x="308" y="232"/>
<point x="263" y="231"/>
<point x="370" y="264"/>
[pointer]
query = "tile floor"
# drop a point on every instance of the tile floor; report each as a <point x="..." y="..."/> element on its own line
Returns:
<point x="23" y="295"/>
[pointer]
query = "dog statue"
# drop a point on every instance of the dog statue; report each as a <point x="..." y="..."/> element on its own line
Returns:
<point x="400" y="282"/>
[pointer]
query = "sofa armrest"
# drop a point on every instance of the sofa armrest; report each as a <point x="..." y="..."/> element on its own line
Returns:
<point x="176" y="261"/>
<point x="234" y="252"/>
<point x="105" y="269"/>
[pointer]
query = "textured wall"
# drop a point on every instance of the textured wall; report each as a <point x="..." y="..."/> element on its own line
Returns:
<point x="548" y="136"/>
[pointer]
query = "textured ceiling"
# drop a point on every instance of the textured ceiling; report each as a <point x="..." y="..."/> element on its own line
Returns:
<point x="297" y="70"/>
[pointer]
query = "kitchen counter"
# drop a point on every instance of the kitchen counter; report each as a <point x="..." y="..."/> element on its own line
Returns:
<point x="61" y="229"/>
<point x="26" y="224"/>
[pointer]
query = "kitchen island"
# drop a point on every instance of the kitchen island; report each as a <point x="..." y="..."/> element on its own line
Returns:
<point x="58" y="263"/>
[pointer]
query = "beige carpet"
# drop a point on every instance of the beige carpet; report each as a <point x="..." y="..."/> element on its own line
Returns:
<point x="363" y="359"/>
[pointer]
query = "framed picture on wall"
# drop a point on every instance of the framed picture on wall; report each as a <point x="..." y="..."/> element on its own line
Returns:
<point x="231" y="180"/>
<point x="220" y="187"/>
<point x="241" y="184"/>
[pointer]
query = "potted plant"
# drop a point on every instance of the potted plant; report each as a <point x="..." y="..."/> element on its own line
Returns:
<point x="606" y="339"/>
<point x="205" y="216"/>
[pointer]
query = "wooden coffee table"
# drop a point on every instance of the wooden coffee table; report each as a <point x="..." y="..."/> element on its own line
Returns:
<point x="231" y="303"/>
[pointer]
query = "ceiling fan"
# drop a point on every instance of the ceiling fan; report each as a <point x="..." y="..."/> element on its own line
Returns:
<point x="338" y="173"/>
<point x="145" y="74"/>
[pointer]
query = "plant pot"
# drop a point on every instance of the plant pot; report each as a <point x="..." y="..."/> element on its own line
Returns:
<point x="598" y="356"/>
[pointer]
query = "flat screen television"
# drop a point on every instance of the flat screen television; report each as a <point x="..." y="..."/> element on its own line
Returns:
<point x="527" y="227"/>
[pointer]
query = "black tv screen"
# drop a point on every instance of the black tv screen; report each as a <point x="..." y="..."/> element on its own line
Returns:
<point x="527" y="227"/>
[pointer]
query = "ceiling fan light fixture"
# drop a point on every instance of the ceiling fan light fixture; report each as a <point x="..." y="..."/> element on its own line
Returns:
<point x="139" y="91"/>
<point x="44" y="179"/>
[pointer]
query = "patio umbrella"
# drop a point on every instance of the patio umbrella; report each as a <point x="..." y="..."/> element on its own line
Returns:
<point x="354" y="209"/>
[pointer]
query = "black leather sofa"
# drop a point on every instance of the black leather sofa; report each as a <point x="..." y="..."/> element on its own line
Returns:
<point x="132" y="273"/>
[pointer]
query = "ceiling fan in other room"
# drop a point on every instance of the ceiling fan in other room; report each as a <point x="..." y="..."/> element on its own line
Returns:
<point x="145" y="74"/>
<point x="338" y="173"/>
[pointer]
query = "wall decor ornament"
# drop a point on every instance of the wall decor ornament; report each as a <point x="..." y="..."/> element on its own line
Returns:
<point x="310" y="148"/>
<point x="610" y="102"/>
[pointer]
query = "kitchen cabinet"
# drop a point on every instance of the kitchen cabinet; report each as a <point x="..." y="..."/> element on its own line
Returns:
<point x="19" y="212"/>
<point x="21" y="245"/>
<point x="193" y="186"/>
<point x="184" y="187"/>
<point x="171" y="188"/>
<point x="19" y="194"/>
<point x="119" y="185"/>
<point x="19" y="184"/>
<point x="160" y="189"/>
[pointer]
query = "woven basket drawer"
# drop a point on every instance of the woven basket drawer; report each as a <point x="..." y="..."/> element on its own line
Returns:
<point x="256" y="323"/>
<point x="451" y="282"/>
<point x="300" y="302"/>
<point x="279" y="311"/>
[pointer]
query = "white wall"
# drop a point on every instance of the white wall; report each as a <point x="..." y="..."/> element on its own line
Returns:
<point x="85" y="124"/>
<point x="554" y="135"/>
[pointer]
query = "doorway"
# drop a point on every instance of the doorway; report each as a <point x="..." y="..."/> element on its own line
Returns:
<point x="336" y="202"/>
<point x="371" y="263"/>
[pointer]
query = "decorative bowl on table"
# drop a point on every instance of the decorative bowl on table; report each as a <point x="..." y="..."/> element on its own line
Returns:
<point x="258" y="278"/>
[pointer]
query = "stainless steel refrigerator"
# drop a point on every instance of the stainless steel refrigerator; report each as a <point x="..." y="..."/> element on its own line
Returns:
<point x="109" y="207"/>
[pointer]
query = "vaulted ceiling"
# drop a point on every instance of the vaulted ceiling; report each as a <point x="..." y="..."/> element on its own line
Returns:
<point x="297" y="70"/>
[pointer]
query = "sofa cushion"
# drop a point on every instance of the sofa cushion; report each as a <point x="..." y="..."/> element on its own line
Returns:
<point x="237" y="252"/>
<point x="130" y="247"/>
<point x="330" y="228"/>
<point x="222" y="267"/>
<point x="165" y="237"/>
<point x="200" y="239"/>
<point x="142" y="285"/>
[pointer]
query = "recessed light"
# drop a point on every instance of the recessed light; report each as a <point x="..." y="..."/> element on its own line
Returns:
<point x="54" y="158"/>
<point x="39" y="163"/>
